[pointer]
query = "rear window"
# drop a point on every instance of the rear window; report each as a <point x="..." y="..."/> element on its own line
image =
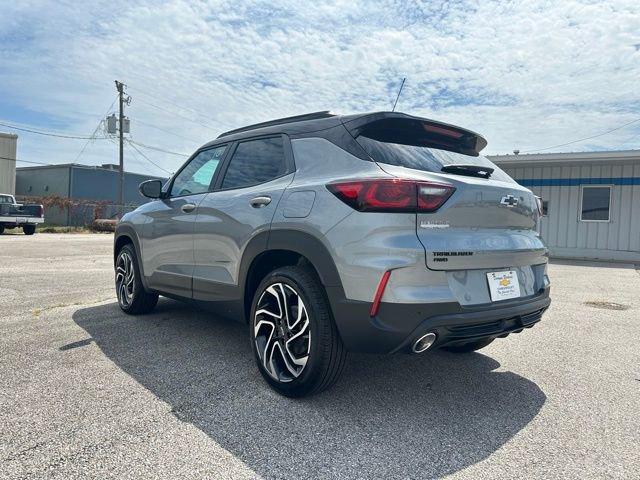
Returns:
<point x="424" y="158"/>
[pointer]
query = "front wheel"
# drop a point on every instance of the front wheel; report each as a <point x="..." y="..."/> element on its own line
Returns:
<point x="132" y="297"/>
<point x="29" y="229"/>
<point x="469" y="346"/>
<point x="294" y="338"/>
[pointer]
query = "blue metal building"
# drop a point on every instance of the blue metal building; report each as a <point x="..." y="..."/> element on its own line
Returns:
<point x="88" y="187"/>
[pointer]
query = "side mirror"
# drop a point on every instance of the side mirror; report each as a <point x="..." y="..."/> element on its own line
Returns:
<point x="151" y="188"/>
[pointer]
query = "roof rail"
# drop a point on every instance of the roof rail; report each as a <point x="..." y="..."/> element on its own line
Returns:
<point x="280" y="121"/>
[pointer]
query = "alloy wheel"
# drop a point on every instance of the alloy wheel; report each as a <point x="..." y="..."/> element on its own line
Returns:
<point x="282" y="332"/>
<point x="125" y="279"/>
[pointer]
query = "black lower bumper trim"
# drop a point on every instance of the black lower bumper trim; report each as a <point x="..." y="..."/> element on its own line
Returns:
<point x="397" y="326"/>
<point x="466" y="327"/>
<point x="498" y="328"/>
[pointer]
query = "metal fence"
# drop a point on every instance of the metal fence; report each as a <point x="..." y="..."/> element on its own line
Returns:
<point x="76" y="212"/>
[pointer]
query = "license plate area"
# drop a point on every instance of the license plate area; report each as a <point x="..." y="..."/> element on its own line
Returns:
<point x="503" y="285"/>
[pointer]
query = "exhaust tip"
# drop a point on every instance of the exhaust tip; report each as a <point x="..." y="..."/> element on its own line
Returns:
<point x="423" y="343"/>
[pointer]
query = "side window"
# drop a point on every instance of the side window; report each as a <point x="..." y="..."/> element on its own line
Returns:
<point x="254" y="162"/>
<point x="197" y="175"/>
<point x="595" y="204"/>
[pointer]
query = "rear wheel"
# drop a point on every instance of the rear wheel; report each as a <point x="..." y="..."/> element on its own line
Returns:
<point x="469" y="346"/>
<point x="294" y="338"/>
<point x="29" y="229"/>
<point x="132" y="297"/>
<point x="1" y="229"/>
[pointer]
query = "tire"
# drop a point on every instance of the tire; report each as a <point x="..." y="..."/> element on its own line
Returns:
<point x="306" y="355"/>
<point x="29" y="229"/>
<point x="132" y="297"/>
<point x="1" y="229"/>
<point x="469" y="346"/>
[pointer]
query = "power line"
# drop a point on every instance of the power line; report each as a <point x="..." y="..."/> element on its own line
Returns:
<point x="181" y="106"/>
<point x="177" y="105"/>
<point x="582" y="139"/>
<point x="157" y="149"/>
<point x="177" y="114"/>
<point x="47" y="134"/>
<point x="130" y="143"/>
<point x="633" y="137"/>
<point x="25" y="161"/>
<point x="93" y="135"/>
<point x="166" y="131"/>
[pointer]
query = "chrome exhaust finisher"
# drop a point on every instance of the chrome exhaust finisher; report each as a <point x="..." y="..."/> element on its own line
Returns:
<point x="423" y="343"/>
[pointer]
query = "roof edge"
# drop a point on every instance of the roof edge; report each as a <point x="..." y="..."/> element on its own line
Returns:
<point x="567" y="157"/>
<point x="280" y="121"/>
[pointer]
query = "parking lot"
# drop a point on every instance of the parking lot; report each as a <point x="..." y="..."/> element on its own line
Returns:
<point x="87" y="391"/>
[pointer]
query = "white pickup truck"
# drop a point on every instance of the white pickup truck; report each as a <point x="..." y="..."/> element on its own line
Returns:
<point x="13" y="215"/>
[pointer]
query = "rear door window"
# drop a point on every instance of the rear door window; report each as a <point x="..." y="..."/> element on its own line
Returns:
<point x="254" y="162"/>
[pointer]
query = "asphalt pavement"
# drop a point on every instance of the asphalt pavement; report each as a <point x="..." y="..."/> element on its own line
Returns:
<point x="89" y="392"/>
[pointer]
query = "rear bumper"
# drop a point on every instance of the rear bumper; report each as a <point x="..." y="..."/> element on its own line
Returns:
<point x="19" y="221"/>
<point x="397" y="326"/>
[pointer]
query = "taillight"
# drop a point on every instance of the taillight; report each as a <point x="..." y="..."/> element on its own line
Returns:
<point x="40" y="211"/>
<point x="392" y="195"/>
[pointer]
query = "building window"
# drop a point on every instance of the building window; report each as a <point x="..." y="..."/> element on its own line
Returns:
<point x="545" y="208"/>
<point x="596" y="203"/>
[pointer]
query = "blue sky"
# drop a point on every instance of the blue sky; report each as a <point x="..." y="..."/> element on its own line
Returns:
<point x="527" y="75"/>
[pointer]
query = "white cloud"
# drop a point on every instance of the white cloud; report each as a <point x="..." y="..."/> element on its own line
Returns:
<point x="525" y="74"/>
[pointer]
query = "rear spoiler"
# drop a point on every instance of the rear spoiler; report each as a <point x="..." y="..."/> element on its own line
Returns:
<point x="405" y="129"/>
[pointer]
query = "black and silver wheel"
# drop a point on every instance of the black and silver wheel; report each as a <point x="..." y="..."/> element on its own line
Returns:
<point x="281" y="332"/>
<point x="296" y="344"/>
<point x="132" y="297"/>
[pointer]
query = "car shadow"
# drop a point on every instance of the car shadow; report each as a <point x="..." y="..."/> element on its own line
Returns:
<point x="387" y="417"/>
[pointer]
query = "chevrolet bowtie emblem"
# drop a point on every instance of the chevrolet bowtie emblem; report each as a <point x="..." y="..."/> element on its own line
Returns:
<point x="509" y="201"/>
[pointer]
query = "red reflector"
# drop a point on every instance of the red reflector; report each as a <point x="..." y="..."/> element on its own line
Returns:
<point x="379" y="291"/>
<point x="431" y="196"/>
<point x="392" y="195"/>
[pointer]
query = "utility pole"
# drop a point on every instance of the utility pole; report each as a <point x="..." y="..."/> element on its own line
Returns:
<point x="120" y="88"/>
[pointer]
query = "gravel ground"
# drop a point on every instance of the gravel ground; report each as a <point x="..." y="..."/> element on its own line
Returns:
<point x="88" y="392"/>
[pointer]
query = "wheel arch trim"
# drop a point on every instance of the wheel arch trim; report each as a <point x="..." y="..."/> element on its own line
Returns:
<point x="127" y="231"/>
<point x="296" y="241"/>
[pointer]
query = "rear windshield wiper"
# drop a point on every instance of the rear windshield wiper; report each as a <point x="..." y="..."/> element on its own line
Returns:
<point x="468" y="170"/>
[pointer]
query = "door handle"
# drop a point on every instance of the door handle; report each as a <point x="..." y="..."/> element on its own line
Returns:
<point x="188" y="207"/>
<point x="259" y="202"/>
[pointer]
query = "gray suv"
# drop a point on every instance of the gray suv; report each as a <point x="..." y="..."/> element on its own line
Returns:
<point x="378" y="232"/>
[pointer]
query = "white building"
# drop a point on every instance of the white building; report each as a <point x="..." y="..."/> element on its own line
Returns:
<point x="8" y="142"/>
<point x="591" y="201"/>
